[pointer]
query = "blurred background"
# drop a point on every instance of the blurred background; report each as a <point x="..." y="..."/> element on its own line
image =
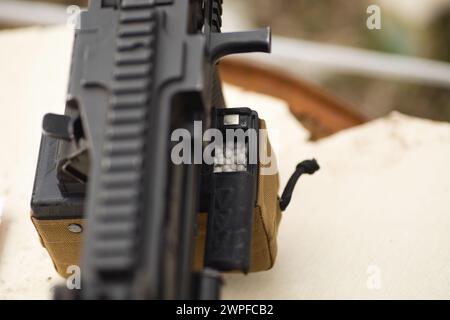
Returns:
<point x="404" y="66"/>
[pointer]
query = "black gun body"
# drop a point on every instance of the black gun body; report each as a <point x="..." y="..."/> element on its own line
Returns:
<point x="173" y="94"/>
<point x="140" y="69"/>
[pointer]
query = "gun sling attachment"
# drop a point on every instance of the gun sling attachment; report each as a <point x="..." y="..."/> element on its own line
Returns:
<point x="107" y="195"/>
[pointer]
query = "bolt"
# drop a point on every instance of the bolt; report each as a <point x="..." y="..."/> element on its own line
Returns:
<point x="75" y="228"/>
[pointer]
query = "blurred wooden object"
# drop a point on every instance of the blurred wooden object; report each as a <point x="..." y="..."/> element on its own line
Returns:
<point x="321" y="113"/>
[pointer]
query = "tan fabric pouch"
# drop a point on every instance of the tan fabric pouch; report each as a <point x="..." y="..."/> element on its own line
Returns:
<point x="64" y="246"/>
<point x="267" y="217"/>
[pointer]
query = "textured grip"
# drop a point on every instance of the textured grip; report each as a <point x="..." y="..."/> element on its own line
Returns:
<point x="230" y="222"/>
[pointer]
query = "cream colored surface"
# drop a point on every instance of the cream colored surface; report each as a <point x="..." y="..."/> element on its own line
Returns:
<point x="381" y="200"/>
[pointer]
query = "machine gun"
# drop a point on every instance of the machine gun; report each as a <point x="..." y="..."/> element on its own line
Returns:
<point x="140" y="70"/>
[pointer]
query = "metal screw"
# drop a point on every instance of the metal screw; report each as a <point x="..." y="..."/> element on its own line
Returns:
<point x="75" y="228"/>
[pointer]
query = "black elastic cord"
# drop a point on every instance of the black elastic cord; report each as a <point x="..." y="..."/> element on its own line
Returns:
<point x="308" y="167"/>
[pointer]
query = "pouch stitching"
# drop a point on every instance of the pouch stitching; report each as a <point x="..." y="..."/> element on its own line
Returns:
<point x="267" y="236"/>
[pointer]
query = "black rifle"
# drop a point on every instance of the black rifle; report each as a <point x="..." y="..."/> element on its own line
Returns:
<point x="140" y="69"/>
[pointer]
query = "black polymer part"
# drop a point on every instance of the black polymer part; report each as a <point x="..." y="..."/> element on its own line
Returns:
<point x="232" y="199"/>
<point x="49" y="201"/>
<point x="140" y="69"/>
<point x="305" y="167"/>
